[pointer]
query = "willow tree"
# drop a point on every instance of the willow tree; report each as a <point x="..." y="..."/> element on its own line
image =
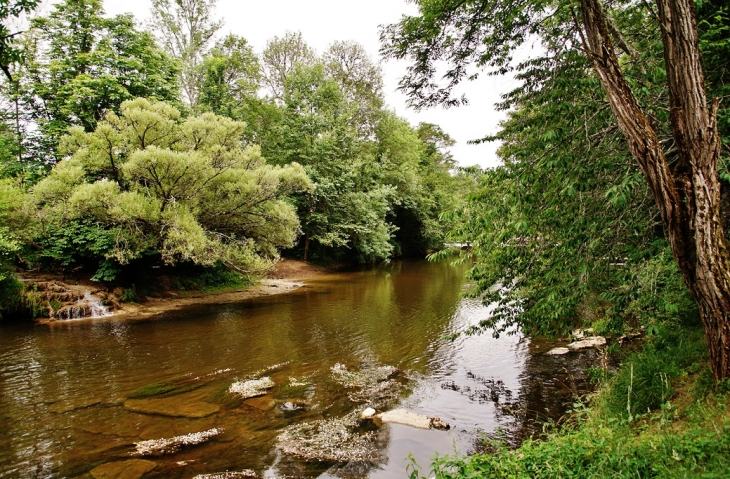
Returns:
<point x="148" y="183"/>
<point x="682" y="173"/>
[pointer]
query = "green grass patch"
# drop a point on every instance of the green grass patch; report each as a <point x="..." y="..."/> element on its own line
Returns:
<point x="602" y="449"/>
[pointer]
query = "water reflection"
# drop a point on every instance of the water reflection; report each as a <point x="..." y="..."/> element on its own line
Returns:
<point x="64" y="389"/>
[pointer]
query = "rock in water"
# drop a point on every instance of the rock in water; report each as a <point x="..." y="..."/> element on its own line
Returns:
<point x="407" y="418"/>
<point x="131" y="469"/>
<point x="558" y="351"/>
<point x="157" y="447"/>
<point x="368" y="413"/>
<point x="437" y="423"/>
<point x="252" y="387"/>
<point x="173" y="407"/>
<point x="588" y="342"/>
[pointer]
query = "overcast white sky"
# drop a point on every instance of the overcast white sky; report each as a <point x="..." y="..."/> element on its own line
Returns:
<point x="325" y="21"/>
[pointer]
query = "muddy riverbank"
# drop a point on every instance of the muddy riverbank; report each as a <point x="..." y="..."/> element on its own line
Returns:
<point x="62" y="299"/>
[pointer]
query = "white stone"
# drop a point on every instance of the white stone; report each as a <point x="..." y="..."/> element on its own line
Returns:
<point x="407" y="418"/>
<point x="368" y="413"/>
<point x="252" y="387"/>
<point x="558" y="351"/>
<point x="589" y="342"/>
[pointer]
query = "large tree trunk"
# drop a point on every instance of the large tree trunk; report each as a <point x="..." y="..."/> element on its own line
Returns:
<point x="688" y="195"/>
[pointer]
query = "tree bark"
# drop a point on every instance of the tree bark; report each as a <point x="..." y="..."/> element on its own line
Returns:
<point x="688" y="195"/>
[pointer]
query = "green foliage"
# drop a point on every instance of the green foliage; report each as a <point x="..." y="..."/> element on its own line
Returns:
<point x="129" y="295"/>
<point x="11" y="293"/>
<point x="567" y="224"/>
<point x="602" y="451"/>
<point x="9" y="51"/>
<point x="645" y="380"/>
<point x="657" y="294"/>
<point x="81" y="65"/>
<point x="231" y="78"/>
<point x="377" y="194"/>
<point x="280" y="58"/>
<point x="186" y="28"/>
<point x="146" y="183"/>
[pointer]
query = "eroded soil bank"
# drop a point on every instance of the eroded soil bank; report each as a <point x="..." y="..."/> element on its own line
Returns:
<point x="61" y="299"/>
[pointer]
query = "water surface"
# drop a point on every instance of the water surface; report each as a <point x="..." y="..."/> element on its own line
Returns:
<point x="63" y="387"/>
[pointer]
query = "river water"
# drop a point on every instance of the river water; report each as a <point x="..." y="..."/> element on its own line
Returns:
<point x="65" y="389"/>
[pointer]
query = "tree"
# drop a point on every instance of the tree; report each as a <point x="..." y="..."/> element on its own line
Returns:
<point x="146" y="182"/>
<point x="684" y="182"/>
<point x="81" y="65"/>
<point x="186" y="28"/>
<point x="280" y="57"/>
<point x="9" y="52"/>
<point x="346" y="213"/>
<point x="360" y="80"/>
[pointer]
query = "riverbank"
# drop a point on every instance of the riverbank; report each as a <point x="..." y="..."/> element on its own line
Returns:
<point x="286" y="276"/>
<point x="660" y="415"/>
<point x="59" y="295"/>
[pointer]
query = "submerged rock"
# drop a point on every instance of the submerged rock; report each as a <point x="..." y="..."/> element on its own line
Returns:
<point x="174" y="407"/>
<point x="130" y="469"/>
<point x="372" y="385"/>
<point x="262" y="403"/>
<point x="330" y="440"/>
<point x="252" y="387"/>
<point x="227" y="475"/>
<point x="588" y="342"/>
<point x="437" y="423"/>
<point x="82" y="403"/>
<point x="156" y="447"/>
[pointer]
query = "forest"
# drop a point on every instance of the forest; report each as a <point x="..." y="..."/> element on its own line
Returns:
<point x="124" y="148"/>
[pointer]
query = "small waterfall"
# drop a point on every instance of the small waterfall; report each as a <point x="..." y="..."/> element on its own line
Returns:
<point x="87" y="306"/>
<point x="98" y="310"/>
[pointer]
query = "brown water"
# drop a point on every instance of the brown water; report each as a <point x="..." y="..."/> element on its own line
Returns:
<point x="63" y="388"/>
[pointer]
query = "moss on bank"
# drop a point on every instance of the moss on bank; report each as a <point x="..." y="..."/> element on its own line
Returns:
<point x="661" y="415"/>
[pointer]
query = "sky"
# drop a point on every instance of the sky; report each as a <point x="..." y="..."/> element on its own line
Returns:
<point x="323" y="22"/>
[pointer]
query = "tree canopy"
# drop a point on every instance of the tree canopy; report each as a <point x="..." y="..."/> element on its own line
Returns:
<point x="151" y="183"/>
<point x="647" y="61"/>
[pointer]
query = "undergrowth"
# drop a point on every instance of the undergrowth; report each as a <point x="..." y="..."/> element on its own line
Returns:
<point x="660" y="415"/>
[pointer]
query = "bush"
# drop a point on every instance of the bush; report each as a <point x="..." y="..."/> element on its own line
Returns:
<point x="11" y="294"/>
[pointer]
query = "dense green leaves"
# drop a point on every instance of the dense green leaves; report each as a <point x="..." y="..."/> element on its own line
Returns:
<point x="563" y="232"/>
<point x="9" y="51"/>
<point x="146" y="183"/>
<point x="83" y="65"/>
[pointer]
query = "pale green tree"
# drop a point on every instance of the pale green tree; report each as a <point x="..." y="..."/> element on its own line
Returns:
<point x="151" y="183"/>
<point x="360" y="80"/>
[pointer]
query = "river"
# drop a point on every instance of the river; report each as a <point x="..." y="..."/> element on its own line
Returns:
<point x="65" y="388"/>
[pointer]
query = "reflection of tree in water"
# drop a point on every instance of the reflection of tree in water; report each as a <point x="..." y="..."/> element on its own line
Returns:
<point x="549" y="385"/>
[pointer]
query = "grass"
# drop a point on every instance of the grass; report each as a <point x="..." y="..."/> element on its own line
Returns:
<point x="660" y="416"/>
